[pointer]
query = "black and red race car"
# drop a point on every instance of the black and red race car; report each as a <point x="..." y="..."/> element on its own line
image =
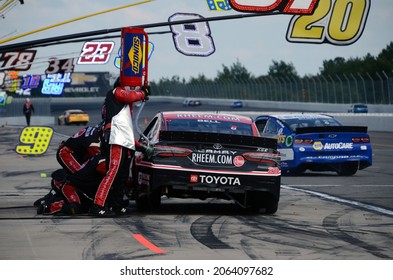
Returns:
<point x="206" y="155"/>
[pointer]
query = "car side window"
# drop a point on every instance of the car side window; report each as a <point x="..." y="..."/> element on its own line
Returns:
<point x="260" y="124"/>
<point x="270" y="128"/>
<point x="149" y="131"/>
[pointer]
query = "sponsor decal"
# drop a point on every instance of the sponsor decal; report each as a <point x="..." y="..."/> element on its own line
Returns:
<point x="193" y="178"/>
<point x="212" y="158"/>
<point x="317" y="145"/>
<point x="222" y="180"/>
<point x="135" y="54"/>
<point x="217" y="146"/>
<point x="218" y="5"/>
<point x="222" y="157"/>
<point x="206" y="117"/>
<point x="287" y="140"/>
<point x="281" y="139"/>
<point x="332" y="157"/>
<point x="238" y="161"/>
<point x="143" y="179"/>
<point x="338" y="146"/>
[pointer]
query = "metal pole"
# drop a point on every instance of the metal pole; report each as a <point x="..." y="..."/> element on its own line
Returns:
<point x="364" y="88"/>
<point x="356" y="85"/>
<point x="349" y="88"/>
<point x="382" y="88"/>
<point x="387" y="82"/>
<point x="373" y="86"/>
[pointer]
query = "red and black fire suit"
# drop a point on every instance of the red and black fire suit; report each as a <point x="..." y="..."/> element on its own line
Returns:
<point x="118" y="144"/>
<point x="73" y="153"/>
<point x="81" y="160"/>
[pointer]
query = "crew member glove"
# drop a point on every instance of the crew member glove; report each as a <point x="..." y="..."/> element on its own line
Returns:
<point x="147" y="92"/>
<point x="147" y="150"/>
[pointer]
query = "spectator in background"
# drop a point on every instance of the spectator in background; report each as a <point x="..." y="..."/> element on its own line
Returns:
<point x="28" y="109"/>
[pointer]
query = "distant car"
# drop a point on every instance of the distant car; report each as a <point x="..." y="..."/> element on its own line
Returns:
<point x="358" y="108"/>
<point x="73" y="116"/>
<point x="317" y="142"/>
<point x="237" y="104"/>
<point x="206" y="155"/>
<point x="191" y="102"/>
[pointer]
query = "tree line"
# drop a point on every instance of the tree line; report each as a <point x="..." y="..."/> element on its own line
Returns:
<point x="368" y="65"/>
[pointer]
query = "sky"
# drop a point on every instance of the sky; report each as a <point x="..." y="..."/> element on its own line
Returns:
<point x="255" y="42"/>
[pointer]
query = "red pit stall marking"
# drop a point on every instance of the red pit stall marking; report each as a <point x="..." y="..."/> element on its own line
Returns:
<point x="141" y="239"/>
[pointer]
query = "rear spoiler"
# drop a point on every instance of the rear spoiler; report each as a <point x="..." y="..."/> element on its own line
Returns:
<point x="343" y="128"/>
<point x="206" y="137"/>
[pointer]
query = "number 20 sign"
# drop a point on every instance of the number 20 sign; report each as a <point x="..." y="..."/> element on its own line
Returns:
<point x="337" y="22"/>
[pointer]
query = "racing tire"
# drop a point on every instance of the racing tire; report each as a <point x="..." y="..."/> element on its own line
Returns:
<point x="148" y="202"/>
<point x="297" y="171"/>
<point x="271" y="206"/>
<point x="142" y="203"/>
<point x="348" y="169"/>
<point x="267" y="207"/>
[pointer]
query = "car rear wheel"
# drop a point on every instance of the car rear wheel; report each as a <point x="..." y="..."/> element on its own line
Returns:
<point x="348" y="169"/>
<point x="297" y="171"/>
<point x="267" y="206"/>
<point x="262" y="202"/>
<point x="148" y="202"/>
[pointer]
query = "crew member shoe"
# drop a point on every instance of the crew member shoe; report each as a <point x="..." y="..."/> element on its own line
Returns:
<point x="46" y="199"/>
<point x="120" y="210"/>
<point x="50" y="209"/>
<point x="99" y="211"/>
<point x="71" y="208"/>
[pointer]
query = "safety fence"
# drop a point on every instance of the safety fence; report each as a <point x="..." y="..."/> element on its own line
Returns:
<point x="338" y="89"/>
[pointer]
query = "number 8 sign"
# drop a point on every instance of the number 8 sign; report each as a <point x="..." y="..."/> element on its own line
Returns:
<point x="193" y="39"/>
<point x="34" y="140"/>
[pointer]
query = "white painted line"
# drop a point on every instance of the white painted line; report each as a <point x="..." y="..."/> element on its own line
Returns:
<point x="342" y="200"/>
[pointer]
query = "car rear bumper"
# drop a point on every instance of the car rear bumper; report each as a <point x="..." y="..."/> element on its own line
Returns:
<point x="192" y="183"/>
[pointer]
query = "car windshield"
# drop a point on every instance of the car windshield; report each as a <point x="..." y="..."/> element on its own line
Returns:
<point x="215" y="126"/>
<point x="360" y="107"/>
<point x="294" y="123"/>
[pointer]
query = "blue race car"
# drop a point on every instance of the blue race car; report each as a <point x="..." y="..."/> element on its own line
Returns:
<point x="317" y="142"/>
